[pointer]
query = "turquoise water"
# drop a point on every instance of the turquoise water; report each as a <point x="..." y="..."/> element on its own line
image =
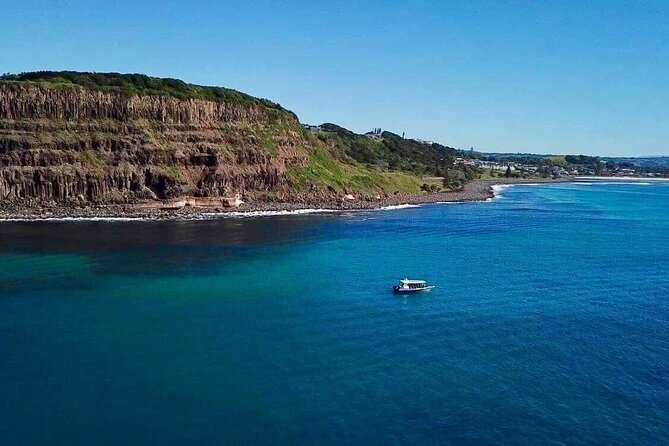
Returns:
<point x="549" y="324"/>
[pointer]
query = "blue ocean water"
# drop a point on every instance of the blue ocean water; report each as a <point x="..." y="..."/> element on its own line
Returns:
<point x="549" y="325"/>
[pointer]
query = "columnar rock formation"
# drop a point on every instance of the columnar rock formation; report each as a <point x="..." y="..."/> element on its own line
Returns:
<point x="70" y="144"/>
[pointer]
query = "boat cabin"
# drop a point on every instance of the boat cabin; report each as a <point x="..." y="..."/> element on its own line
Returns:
<point x="408" y="285"/>
<point x="412" y="283"/>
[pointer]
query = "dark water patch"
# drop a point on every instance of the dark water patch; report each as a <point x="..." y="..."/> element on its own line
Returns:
<point x="95" y="237"/>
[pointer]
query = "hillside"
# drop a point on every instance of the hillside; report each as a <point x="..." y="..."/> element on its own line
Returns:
<point x="387" y="150"/>
<point x="648" y="162"/>
<point x="81" y="138"/>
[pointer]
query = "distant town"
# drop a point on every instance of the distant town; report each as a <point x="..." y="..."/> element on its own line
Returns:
<point x="559" y="166"/>
<point x="528" y="165"/>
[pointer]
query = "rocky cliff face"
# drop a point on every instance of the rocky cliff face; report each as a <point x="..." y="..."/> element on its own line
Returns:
<point x="67" y="144"/>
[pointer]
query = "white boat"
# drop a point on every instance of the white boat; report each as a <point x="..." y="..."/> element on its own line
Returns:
<point x="412" y="286"/>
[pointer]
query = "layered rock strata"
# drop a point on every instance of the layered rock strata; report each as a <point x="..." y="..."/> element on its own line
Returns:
<point x="67" y="144"/>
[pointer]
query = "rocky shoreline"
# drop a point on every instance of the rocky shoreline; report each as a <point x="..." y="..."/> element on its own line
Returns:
<point x="478" y="190"/>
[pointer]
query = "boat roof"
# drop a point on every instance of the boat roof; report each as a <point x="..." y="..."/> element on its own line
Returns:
<point x="409" y="281"/>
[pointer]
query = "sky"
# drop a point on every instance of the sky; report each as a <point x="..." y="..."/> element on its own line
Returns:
<point x="588" y="77"/>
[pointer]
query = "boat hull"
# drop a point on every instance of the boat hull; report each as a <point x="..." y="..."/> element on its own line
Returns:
<point x="401" y="290"/>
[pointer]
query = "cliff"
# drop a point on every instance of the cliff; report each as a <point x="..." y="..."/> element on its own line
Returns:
<point x="67" y="143"/>
<point x="71" y="138"/>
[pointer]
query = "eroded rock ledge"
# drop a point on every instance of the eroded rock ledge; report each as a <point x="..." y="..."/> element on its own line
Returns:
<point x="69" y="145"/>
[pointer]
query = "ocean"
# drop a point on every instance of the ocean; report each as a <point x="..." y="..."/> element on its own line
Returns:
<point x="549" y="324"/>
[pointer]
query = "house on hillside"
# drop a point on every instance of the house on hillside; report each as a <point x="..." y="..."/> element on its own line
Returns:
<point x="312" y="128"/>
<point x="374" y="133"/>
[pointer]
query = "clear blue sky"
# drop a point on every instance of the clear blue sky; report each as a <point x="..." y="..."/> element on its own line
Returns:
<point x="542" y="76"/>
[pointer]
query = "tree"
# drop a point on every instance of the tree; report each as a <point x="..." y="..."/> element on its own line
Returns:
<point x="508" y="172"/>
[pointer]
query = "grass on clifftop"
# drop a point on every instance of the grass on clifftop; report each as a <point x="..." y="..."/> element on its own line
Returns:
<point x="324" y="170"/>
<point x="140" y="84"/>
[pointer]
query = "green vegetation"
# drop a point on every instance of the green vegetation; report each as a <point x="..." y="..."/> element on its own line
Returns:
<point x="557" y="160"/>
<point x="581" y="159"/>
<point x="385" y="160"/>
<point x="267" y="142"/>
<point x="455" y="177"/>
<point x="324" y="169"/>
<point x="154" y="135"/>
<point x="140" y="84"/>
<point x="66" y="135"/>
<point x="92" y="158"/>
<point x="172" y="171"/>
<point x="390" y="151"/>
<point x="339" y="160"/>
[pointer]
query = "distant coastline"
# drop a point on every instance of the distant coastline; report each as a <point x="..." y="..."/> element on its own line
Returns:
<point x="117" y="146"/>
<point x="477" y="190"/>
<point x="474" y="191"/>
